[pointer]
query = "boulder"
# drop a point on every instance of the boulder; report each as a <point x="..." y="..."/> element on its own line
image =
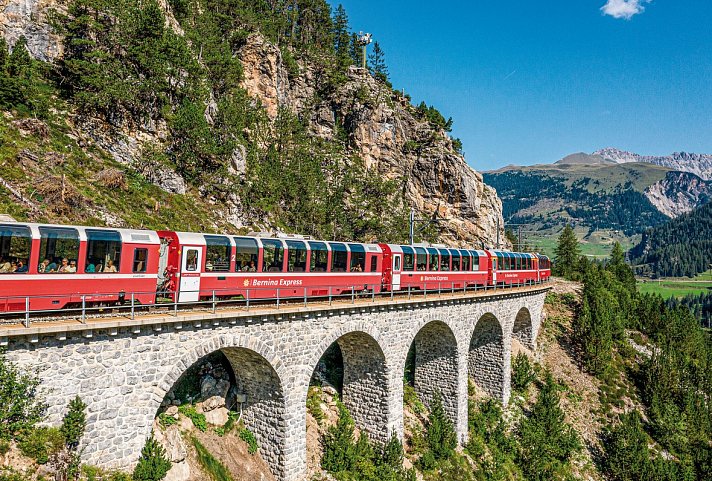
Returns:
<point x="213" y="403"/>
<point x="218" y="416"/>
<point x="211" y="387"/>
<point x="178" y="472"/>
<point x="172" y="442"/>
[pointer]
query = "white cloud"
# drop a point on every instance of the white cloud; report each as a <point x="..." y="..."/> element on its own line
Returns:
<point x="624" y="8"/>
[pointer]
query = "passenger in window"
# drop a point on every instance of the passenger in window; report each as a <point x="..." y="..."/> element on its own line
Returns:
<point x="208" y="265"/>
<point x="110" y="267"/>
<point x="13" y="267"/>
<point x="64" y="268"/>
<point x="43" y="267"/>
<point x="72" y="267"/>
<point x="90" y="269"/>
<point x="99" y="267"/>
<point x="356" y="268"/>
<point x="252" y="267"/>
<point x="5" y="266"/>
<point x="21" y="267"/>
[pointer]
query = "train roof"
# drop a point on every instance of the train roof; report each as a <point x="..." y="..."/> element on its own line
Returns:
<point x="131" y="236"/>
<point x="198" y="239"/>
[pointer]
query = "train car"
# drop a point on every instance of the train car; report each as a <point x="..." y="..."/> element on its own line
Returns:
<point x="53" y="267"/>
<point x="422" y="267"/>
<point x="544" y="267"/>
<point x="514" y="268"/>
<point x="200" y="266"/>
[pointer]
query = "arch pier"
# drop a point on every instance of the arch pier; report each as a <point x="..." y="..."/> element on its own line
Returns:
<point x="123" y="368"/>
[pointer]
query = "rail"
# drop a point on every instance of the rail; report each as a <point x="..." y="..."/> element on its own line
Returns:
<point x="213" y="299"/>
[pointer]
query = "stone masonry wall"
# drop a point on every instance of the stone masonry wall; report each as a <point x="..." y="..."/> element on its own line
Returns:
<point x="124" y="373"/>
<point x="436" y="366"/>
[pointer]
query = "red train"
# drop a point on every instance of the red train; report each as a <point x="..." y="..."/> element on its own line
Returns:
<point x="47" y="267"/>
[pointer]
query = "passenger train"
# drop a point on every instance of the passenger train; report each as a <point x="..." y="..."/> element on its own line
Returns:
<point x="49" y="267"/>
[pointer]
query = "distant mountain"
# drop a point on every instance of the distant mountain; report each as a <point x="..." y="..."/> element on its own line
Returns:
<point x="681" y="247"/>
<point x="601" y="191"/>
<point x="698" y="164"/>
<point x="586" y="159"/>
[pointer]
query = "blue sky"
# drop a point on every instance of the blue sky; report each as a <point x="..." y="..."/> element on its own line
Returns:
<point x="531" y="81"/>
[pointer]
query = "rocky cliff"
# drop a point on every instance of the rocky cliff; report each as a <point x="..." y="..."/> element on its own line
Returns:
<point x="378" y="125"/>
<point x="679" y="193"/>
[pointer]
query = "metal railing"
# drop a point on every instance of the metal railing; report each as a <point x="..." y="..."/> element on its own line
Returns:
<point x="232" y="297"/>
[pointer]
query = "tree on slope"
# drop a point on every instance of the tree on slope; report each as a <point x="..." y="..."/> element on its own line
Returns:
<point x="547" y="442"/>
<point x="567" y="253"/>
<point x="377" y="63"/>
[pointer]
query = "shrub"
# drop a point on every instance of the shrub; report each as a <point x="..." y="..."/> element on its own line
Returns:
<point x="314" y="404"/>
<point x="522" y="373"/>
<point x="166" y="420"/>
<point x="41" y="443"/>
<point x="440" y="434"/>
<point x="411" y="399"/>
<point x="338" y="443"/>
<point x="74" y="423"/>
<point x="198" y="419"/>
<point x="249" y="437"/>
<point x="153" y="463"/>
<point x="20" y="404"/>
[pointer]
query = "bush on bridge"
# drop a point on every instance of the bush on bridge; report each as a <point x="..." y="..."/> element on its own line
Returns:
<point x="153" y="463"/>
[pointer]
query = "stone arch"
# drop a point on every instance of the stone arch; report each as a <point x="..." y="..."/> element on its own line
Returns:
<point x="366" y="383"/>
<point x="523" y="330"/>
<point x="437" y="366"/>
<point x="258" y="377"/>
<point x="486" y="359"/>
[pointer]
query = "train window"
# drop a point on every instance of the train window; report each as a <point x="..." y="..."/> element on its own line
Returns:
<point x="475" y="260"/>
<point x="217" y="253"/>
<point x="408" y="258"/>
<point x="247" y="254"/>
<point x="374" y="263"/>
<point x="434" y="259"/>
<point x="273" y="255"/>
<point x="358" y="258"/>
<point x="191" y="260"/>
<point x="421" y="259"/>
<point x="319" y="257"/>
<point x="140" y="259"/>
<point x="455" y="259"/>
<point x="500" y="265"/>
<point x="338" y="257"/>
<point x="296" y="256"/>
<point x="103" y="251"/>
<point x="15" y="245"/>
<point x="466" y="260"/>
<point x="59" y="247"/>
<point x="444" y="260"/>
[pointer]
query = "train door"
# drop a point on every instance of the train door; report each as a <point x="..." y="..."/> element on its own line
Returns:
<point x="397" y="269"/>
<point x="494" y="267"/>
<point x="190" y="275"/>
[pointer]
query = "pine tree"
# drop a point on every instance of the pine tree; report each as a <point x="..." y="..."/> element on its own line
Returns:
<point x="547" y="442"/>
<point x="377" y="63"/>
<point x="4" y="55"/>
<point x="627" y="454"/>
<point x="440" y="434"/>
<point x="20" y="406"/>
<point x="567" y="253"/>
<point x="392" y="454"/>
<point x="19" y="63"/>
<point x="74" y="423"/>
<point x="342" y="38"/>
<point x="620" y="269"/>
<point x="153" y="463"/>
<point x="338" y="443"/>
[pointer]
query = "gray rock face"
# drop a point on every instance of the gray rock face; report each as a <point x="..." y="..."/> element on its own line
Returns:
<point x="679" y="193"/>
<point x="124" y="374"/>
<point x="28" y="18"/>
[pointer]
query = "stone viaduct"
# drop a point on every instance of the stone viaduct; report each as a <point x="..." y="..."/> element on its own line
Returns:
<point x="123" y="368"/>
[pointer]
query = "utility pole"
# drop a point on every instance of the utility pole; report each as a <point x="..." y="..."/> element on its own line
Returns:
<point x="364" y="39"/>
<point x="425" y="222"/>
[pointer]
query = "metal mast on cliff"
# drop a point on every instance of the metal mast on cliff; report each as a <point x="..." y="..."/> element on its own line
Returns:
<point x="363" y="40"/>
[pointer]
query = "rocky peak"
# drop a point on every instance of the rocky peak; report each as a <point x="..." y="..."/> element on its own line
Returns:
<point x="698" y="164"/>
